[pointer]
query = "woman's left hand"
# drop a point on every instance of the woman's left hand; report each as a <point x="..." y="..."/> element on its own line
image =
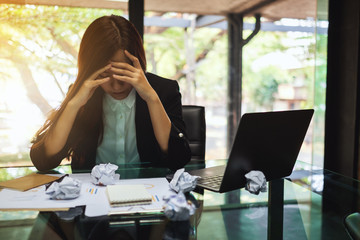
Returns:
<point x="135" y="76"/>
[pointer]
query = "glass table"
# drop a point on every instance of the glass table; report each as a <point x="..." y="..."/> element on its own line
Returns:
<point x="309" y="204"/>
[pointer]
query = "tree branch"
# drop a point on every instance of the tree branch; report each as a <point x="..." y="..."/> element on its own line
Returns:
<point x="64" y="45"/>
<point x="201" y="56"/>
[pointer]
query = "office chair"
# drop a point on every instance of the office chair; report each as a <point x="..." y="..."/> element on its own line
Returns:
<point x="194" y="118"/>
<point x="352" y="225"/>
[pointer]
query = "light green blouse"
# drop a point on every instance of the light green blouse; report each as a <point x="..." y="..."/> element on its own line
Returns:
<point x="119" y="140"/>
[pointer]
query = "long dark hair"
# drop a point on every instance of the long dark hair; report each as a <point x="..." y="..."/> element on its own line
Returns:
<point x="101" y="40"/>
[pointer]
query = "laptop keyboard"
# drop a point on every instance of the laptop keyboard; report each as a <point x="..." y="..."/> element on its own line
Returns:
<point x="211" y="181"/>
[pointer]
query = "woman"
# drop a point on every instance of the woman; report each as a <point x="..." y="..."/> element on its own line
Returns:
<point x="114" y="112"/>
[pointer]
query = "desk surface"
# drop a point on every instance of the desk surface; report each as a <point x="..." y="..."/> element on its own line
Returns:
<point x="310" y="204"/>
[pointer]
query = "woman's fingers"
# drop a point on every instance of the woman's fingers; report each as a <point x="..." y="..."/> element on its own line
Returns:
<point x="90" y="84"/>
<point x="134" y="59"/>
<point x="127" y="72"/>
<point x="121" y="71"/>
<point x="122" y="65"/>
<point x="87" y="90"/>
<point x="134" y="75"/>
<point x="98" y="72"/>
<point x="99" y="81"/>
<point x="124" y="79"/>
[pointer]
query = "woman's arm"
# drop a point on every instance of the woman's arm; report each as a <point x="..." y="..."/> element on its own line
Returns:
<point x="179" y="153"/>
<point x="56" y="137"/>
<point x="160" y="122"/>
<point x="135" y="76"/>
<point x="165" y="113"/>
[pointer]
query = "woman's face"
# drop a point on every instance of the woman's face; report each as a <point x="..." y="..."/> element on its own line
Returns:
<point x="116" y="88"/>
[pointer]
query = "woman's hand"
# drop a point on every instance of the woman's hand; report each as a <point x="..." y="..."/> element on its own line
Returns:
<point x="89" y="86"/>
<point x="56" y="139"/>
<point x="135" y="76"/>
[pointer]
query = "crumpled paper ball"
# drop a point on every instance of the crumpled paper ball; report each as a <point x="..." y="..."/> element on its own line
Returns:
<point x="177" y="208"/>
<point x="255" y="182"/>
<point x="104" y="174"/>
<point x="183" y="181"/>
<point x="68" y="188"/>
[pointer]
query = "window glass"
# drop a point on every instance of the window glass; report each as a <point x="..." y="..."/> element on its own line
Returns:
<point x="281" y="70"/>
<point x="38" y="48"/>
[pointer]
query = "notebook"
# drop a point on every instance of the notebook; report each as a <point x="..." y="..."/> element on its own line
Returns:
<point x="128" y="195"/>
<point x="267" y="141"/>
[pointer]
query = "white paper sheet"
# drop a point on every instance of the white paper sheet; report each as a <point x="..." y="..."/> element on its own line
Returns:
<point x="93" y="196"/>
<point x="157" y="187"/>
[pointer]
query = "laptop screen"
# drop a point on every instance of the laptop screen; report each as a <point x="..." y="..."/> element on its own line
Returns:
<point x="266" y="141"/>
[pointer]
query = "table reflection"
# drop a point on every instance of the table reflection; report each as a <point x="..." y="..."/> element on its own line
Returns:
<point x="309" y="204"/>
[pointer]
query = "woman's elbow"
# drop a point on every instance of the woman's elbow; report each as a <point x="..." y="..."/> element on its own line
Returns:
<point x="40" y="162"/>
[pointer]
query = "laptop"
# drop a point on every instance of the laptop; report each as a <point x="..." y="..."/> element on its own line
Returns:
<point x="266" y="141"/>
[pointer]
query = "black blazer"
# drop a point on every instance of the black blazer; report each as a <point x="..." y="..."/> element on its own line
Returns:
<point x="179" y="151"/>
<point x="149" y="150"/>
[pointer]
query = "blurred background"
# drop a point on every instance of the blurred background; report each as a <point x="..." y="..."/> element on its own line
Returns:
<point x="284" y="67"/>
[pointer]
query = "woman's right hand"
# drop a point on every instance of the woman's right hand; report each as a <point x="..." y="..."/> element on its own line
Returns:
<point x="89" y="86"/>
<point x="57" y="138"/>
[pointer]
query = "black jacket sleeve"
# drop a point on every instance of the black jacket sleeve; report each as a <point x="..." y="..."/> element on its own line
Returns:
<point x="39" y="158"/>
<point x="179" y="153"/>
